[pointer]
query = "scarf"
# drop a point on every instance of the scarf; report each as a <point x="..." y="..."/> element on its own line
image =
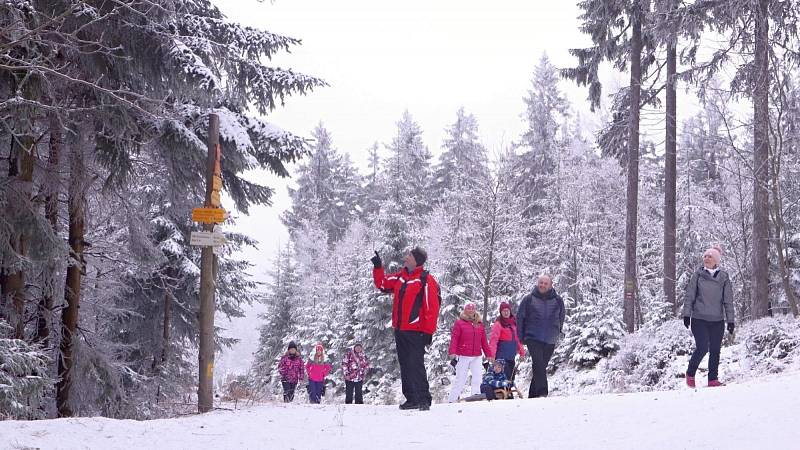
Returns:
<point x="507" y="323"/>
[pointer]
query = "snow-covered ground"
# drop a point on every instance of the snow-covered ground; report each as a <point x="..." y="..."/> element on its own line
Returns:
<point x="760" y="414"/>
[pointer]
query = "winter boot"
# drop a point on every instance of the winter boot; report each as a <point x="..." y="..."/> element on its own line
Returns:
<point x="425" y="407"/>
<point x="689" y="381"/>
<point x="715" y="383"/>
<point x="409" y="405"/>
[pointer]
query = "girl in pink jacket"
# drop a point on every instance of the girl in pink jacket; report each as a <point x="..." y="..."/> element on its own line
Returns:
<point x="467" y="341"/>
<point x="317" y="370"/>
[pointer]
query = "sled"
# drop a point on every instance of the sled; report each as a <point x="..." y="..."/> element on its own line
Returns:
<point x="473" y="398"/>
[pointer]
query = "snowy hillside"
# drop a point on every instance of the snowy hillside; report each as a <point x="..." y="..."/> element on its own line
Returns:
<point x="759" y="414"/>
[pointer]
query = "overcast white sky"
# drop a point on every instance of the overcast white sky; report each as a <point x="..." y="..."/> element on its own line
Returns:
<point x="381" y="58"/>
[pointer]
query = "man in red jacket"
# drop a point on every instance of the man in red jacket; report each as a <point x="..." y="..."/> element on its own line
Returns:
<point x="415" y="312"/>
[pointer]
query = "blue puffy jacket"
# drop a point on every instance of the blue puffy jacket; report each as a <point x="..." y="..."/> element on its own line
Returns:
<point x="540" y="317"/>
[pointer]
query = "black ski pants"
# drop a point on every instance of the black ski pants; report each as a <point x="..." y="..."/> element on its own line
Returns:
<point x="353" y="387"/>
<point x="411" y="356"/>
<point x="288" y="391"/>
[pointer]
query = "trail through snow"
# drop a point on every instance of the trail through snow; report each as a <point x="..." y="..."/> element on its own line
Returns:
<point x="763" y="414"/>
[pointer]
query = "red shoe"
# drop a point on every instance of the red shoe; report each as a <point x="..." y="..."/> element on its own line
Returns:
<point x="689" y="381"/>
<point x="715" y="383"/>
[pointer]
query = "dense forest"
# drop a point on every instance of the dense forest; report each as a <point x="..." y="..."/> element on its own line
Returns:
<point x="104" y="109"/>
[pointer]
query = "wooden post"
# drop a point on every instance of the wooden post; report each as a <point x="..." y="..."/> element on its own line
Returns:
<point x="205" y="395"/>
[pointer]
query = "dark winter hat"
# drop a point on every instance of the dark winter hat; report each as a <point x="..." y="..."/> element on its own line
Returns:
<point x="420" y="255"/>
<point x="504" y="305"/>
<point x="292" y="345"/>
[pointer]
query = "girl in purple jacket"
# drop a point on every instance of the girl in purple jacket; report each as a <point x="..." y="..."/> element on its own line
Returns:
<point x="290" y="368"/>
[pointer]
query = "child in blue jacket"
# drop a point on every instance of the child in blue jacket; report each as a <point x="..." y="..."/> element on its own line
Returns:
<point x="495" y="378"/>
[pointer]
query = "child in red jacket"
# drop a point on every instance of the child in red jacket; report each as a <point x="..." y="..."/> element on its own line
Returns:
<point x="317" y="370"/>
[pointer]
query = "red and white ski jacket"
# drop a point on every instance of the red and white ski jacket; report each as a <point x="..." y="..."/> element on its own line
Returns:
<point x="412" y="310"/>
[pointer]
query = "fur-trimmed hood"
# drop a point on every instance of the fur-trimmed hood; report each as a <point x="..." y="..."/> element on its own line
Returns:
<point x="476" y="318"/>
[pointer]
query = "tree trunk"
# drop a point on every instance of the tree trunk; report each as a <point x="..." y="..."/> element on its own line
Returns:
<point x="51" y="187"/>
<point x="75" y="270"/>
<point x="487" y="282"/>
<point x="632" y="194"/>
<point x="670" y="174"/>
<point x="20" y="172"/>
<point x="760" y="284"/>
<point x="158" y="362"/>
<point x="779" y="221"/>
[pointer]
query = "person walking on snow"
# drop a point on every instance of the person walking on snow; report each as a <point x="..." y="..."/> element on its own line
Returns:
<point x="540" y="318"/>
<point x="467" y="341"/>
<point x="708" y="305"/>
<point x="415" y="311"/>
<point x="354" y="366"/>
<point x="317" y="371"/>
<point x="503" y="340"/>
<point x="290" y="368"/>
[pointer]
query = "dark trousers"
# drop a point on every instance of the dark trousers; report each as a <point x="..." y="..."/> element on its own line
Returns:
<point x="351" y="387"/>
<point x="411" y="356"/>
<point x="288" y="391"/>
<point x="509" y="369"/>
<point x="540" y="356"/>
<point x="315" y="391"/>
<point x="488" y="391"/>
<point x="707" y="339"/>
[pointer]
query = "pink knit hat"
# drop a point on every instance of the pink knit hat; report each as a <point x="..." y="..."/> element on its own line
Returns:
<point x="503" y="306"/>
<point x="469" y="307"/>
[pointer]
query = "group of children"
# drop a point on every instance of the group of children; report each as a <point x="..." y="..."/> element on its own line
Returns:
<point x="354" y="367"/>
<point x="291" y="370"/>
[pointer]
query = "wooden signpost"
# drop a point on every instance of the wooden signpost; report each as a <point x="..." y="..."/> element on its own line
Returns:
<point x="210" y="241"/>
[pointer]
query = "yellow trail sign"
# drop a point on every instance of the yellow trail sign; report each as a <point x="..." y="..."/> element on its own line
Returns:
<point x="208" y="215"/>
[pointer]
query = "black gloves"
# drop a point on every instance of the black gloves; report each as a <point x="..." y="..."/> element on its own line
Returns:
<point x="687" y="321"/>
<point x="376" y="260"/>
<point x="731" y="326"/>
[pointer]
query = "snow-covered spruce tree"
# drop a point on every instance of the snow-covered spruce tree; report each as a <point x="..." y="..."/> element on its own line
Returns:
<point x="189" y="58"/>
<point x="315" y="299"/>
<point x="24" y="383"/>
<point x="592" y="332"/>
<point x="545" y="113"/>
<point x="619" y="32"/>
<point x="407" y="173"/>
<point x="352" y="292"/>
<point x="328" y="189"/>
<point x="449" y="229"/>
<point x="279" y="320"/>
